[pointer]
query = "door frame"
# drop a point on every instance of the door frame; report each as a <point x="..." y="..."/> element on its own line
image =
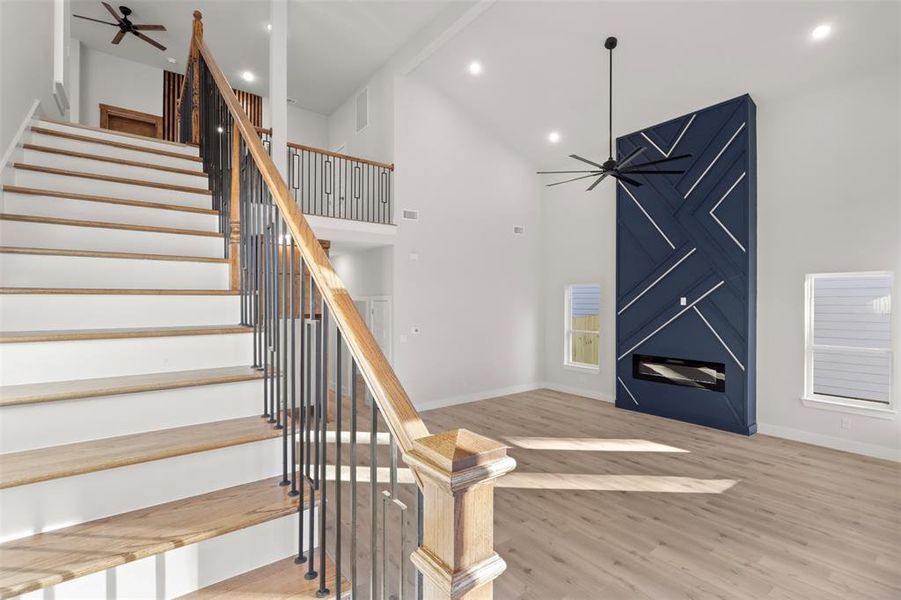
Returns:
<point x="367" y="318"/>
<point x="107" y="110"/>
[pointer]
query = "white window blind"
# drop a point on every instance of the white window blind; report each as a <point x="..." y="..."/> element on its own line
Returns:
<point x="582" y="325"/>
<point x="849" y="336"/>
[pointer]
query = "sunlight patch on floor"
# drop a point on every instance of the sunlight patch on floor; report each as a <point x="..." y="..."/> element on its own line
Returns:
<point x="614" y="483"/>
<point x="589" y="444"/>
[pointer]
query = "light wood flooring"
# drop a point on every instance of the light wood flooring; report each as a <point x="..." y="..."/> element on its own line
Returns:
<point x="608" y="504"/>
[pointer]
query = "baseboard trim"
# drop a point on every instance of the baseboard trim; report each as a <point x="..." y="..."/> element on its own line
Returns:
<point x="566" y="389"/>
<point x="17" y="141"/>
<point x="476" y="396"/>
<point x="828" y="441"/>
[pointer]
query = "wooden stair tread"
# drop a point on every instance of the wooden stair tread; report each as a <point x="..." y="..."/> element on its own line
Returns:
<point x="115" y="291"/>
<point x="68" y="335"/>
<point x="110" y="159"/>
<point x="135" y="136"/>
<point x="12" y="395"/>
<point x="17" y="189"/>
<point x="281" y="580"/>
<point x="54" y="462"/>
<point x="111" y="178"/>
<point x="47" y="559"/>
<point x="107" y="254"/>
<point x="105" y="225"/>
<point x="122" y="145"/>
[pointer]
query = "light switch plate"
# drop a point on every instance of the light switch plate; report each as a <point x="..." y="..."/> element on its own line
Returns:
<point x="683" y="301"/>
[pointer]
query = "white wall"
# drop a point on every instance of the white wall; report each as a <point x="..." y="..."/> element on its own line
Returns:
<point x="474" y="290"/>
<point x="26" y="63"/>
<point x="306" y="127"/>
<point x="812" y="217"/>
<point x="367" y="272"/>
<point x="108" y="79"/>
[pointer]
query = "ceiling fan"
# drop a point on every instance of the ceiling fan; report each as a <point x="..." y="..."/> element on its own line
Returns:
<point x="126" y="26"/>
<point x="618" y="169"/>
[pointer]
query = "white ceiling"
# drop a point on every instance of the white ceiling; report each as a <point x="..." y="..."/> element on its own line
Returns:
<point x="334" y="46"/>
<point x="545" y="67"/>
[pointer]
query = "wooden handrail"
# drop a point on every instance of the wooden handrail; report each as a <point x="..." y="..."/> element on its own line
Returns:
<point x="365" y="161"/>
<point x="397" y="409"/>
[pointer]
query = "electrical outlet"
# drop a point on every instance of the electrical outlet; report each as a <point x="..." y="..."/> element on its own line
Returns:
<point x="683" y="301"/>
<point x="846" y="423"/>
<point x="414" y="330"/>
<point x="403" y="338"/>
<point x="414" y="256"/>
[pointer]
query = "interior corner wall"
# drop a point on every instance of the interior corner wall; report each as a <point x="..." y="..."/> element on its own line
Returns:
<point x="26" y="63"/>
<point x="367" y="272"/>
<point x="461" y="276"/>
<point x="305" y="126"/>
<point x="108" y="79"/>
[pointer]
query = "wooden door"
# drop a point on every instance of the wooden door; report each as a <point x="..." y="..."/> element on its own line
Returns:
<point x="130" y="121"/>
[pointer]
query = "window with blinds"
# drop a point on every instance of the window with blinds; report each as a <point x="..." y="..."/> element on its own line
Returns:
<point x="849" y="337"/>
<point x="582" y="328"/>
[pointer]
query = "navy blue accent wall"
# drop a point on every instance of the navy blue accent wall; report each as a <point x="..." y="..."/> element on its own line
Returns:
<point x="693" y="237"/>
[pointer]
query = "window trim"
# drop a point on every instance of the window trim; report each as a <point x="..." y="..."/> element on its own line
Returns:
<point x="568" y="332"/>
<point x="811" y="399"/>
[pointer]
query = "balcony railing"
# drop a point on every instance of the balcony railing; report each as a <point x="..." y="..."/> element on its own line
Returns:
<point x="331" y="184"/>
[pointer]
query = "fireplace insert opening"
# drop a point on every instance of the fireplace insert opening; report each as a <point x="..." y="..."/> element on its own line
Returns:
<point x="680" y="371"/>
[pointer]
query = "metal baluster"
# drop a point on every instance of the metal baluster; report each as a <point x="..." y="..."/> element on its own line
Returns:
<point x="386" y="496"/>
<point x="294" y="414"/>
<point x="339" y="428"/>
<point x="304" y="417"/>
<point x="419" y="537"/>
<point x="323" y="491"/>
<point x="312" y="437"/>
<point x="267" y="287"/>
<point x="276" y="316"/>
<point x="283" y="345"/>
<point x="373" y="484"/>
<point x="353" y="479"/>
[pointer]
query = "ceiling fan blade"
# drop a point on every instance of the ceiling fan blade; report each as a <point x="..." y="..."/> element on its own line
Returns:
<point x="568" y="180"/>
<point x="597" y="171"/>
<point x="630" y="157"/>
<point x="96" y="20"/>
<point x="661" y="161"/>
<point x="150" y="41"/>
<point x="628" y="180"/>
<point x="118" y="37"/>
<point x="585" y="160"/>
<point x="150" y="28"/>
<point x="633" y="171"/>
<point x="113" y="12"/>
<point x="595" y="184"/>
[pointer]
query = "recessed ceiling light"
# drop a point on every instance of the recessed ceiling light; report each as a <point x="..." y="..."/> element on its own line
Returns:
<point x="475" y="68"/>
<point x="268" y="26"/>
<point x="219" y="129"/>
<point x="248" y="76"/>
<point x="171" y="60"/>
<point x="553" y="137"/>
<point x="821" y="32"/>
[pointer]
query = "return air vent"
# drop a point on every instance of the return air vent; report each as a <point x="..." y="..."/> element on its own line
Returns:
<point x="519" y="230"/>
<point x="362" y="109"/>
<point x="410" y="215"/>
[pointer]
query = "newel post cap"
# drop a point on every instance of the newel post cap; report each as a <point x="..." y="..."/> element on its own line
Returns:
<point x="460" y="458"/>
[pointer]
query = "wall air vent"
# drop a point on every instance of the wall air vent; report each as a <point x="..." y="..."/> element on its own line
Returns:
<point x="362" y="109"/>
<point x="519" y="230"/>
<point x="410" y="215"/>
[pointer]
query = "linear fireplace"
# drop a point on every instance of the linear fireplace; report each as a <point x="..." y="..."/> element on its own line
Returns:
<point x="680" y="371"/>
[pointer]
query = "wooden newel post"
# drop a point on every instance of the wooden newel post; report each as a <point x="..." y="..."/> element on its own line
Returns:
<point x="195" y="84"/>
<point x="458" y="470"/>
<point x="234" y="234"/>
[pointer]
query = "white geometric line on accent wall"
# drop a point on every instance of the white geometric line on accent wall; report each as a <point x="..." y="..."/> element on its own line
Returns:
<point x="653" y="222"/>
<point x="627" y="391"/>
<point x="720" y="223"/>
<point x="678" y="139"/>
<point x="710" y="327"/>
<point x="656" y="281"/>
<point x="734" y="135"/>
<point x="673" y="318"/>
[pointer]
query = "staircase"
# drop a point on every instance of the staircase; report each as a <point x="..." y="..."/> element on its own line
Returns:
<point x="134" y="461"/>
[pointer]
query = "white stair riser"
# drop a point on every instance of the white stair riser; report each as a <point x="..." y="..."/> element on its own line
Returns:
<point x="69" y="208"/>
<point x="28" y="270"/>
<point x="87" y="165"/>
<point x="34" y="312"/>
<point x="187" y="569"/>
<point x="67" y="237"/>
<point x="52" y="141"/>
<point x="50" y="423"/>
<point x="84" y="185"/>
<point x="49" y="505"/>
<point x="36" y="362"/>
<point x="125" y="139"/>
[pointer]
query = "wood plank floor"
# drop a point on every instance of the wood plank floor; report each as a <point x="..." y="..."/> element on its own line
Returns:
<point x="609" y="504"/>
